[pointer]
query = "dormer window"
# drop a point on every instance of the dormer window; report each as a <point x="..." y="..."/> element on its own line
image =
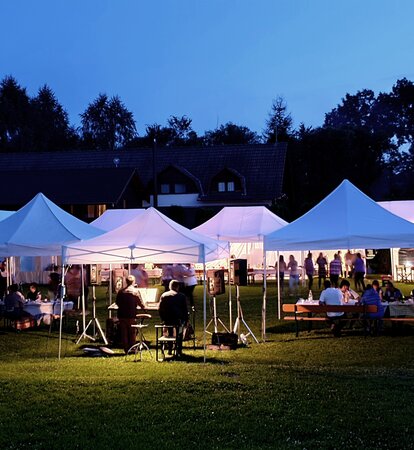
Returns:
<point x="174" y="180"/>
<point x="228" y="180"/>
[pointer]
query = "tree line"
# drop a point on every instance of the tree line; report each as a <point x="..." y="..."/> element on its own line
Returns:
<point x="366" y="138"/>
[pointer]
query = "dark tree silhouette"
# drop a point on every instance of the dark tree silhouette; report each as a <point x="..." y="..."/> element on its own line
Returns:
<point x="279" y="123"/>
<point x="229" y="134"/>
<point x="107" y="123"/>
<point x="15" y="129"/>
<point x="50" y="123"/>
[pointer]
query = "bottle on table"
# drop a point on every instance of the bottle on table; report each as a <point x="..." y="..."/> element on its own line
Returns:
<point x="310" y="296"/>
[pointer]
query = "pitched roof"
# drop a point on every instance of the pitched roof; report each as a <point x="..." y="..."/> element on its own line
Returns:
<point x="262" y="165"/>
<point x="66" y="186"/>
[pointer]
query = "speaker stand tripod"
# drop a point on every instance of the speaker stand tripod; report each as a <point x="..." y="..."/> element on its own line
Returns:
<point x="94" y="321"/>
<point x="215" y="320"/>
<point x="240" y="320"/>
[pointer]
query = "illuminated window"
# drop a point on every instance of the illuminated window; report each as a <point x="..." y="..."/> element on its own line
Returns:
<point x="230" y="186"/>
<point x="222" y="186"/>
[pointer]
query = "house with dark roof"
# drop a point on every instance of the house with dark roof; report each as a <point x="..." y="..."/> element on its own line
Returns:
<point x="86" y="183"/>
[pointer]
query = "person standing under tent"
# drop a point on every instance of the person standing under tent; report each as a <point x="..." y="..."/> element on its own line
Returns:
<point x="349" y="261"/>
<point x="3" y="279"/>
<point x="179" y="272"/>
<point x="293" y="275"/>
<point x="309" y="269"/>
<point x="173" y="311"/>
<point x="167" y="276"/>
<point x="140" y="274"/>
<point x="128" y="299"/>
<point x="322" y="265"/>
<point x="190" y="282"/>
<point x="282" y="268"/>
<point x="339" y="253"/>
<point x="359" y="272"/>
<point x="335" y="268"/>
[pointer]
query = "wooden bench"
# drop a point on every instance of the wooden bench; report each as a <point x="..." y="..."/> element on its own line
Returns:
<point x="306" y="313"/>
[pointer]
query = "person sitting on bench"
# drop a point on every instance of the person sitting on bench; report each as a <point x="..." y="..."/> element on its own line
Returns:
<point x="333" y="296"/>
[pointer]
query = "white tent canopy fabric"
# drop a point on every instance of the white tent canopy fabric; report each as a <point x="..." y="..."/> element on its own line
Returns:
<point x="4" y="214"/>
<point x="149" y="237"/>
<point x="241" y="224"/>
<point x="401" y="208"/>
<point x="40" y="228"/>
<point x="113" y="218"/>
<point x="346" y="218"/>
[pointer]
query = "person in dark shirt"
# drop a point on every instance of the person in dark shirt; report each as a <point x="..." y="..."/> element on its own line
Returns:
<point x="173" y="311"/>
<point x="34" y="293"/>
<point x="128" y="299"/>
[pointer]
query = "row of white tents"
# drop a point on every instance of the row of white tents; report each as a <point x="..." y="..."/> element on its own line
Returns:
<point x="346" y="218"/>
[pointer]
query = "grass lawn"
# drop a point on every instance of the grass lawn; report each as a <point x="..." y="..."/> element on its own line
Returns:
<point x="311" y="392"/>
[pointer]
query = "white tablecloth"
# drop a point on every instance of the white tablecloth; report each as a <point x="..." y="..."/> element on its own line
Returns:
<point x="401" y="309"/>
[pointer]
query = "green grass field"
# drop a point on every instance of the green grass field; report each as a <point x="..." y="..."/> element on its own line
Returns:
<point x="310" y="392"/>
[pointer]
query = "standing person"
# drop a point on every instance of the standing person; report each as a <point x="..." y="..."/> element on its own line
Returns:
<point x="73" y="283"/>
<point x="173" y="311"/>
<point x="53" y="285"/>
<point x="128" y="299"/>
<point x="294" y="274"/>
<point x="3" y="279"/>
<point x="359" y="272"/>
<point x="140" y="274"/>
<point x="167" y="276"/>
<point x="282" y="267"/>
<point x="349" y="260"/>
<point x="179" y="271"/>
<point x="335" y="268"/>
<point x="190" y="282"/>
<point x="322" y="265"/>
<point x="339" y="253"/>
<point x="309" y="269"/>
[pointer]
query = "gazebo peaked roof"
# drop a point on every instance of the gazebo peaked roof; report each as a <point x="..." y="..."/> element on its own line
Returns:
<point x="113" y="218"/>
<point x="346" y="218"/>
<point x="241" y="224"/>
<point x="150" y="237"/>
<point x="41" y="228"/>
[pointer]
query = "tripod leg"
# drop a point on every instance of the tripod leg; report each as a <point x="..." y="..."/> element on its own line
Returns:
<point x="84" y="334"/>
<point x="250" y="331"/>
<point x="101" y="331"/>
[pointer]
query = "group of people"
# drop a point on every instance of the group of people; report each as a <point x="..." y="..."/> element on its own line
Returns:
<point x="179" y="282"/>
<point x="372" y="295"/>
<point x="354" y="266"/>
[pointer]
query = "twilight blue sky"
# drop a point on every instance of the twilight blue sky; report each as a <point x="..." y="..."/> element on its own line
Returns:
<point x="212" y="60"/>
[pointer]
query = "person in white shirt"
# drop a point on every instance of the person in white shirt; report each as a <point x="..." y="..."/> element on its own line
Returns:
<point x="332" y="296"/>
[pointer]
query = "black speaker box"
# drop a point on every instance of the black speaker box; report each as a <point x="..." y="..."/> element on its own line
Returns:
<point x="238" y="271"/>
<point x="227" y="339"/>
<point x="215" y="282"/>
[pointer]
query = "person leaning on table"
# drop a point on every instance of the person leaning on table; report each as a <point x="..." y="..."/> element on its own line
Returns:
<point x="128" y="299"/>
<point x="333" y="296"/>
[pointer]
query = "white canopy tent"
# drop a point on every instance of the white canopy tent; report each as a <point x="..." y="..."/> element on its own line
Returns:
<point x="401" y="208"/>
<point x="40" y="228"/>
<point x="150" y="237"/>
<point x="113" y="218"/>
<point x="244" y="224"/>
<point x="4" y="214"/>
<point x="346" y="218"/>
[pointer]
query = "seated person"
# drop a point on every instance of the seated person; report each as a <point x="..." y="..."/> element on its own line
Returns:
<point x="347" y="292"/>
<point x="13" y="303"/>
<point x="332" y="296"/>
<point x="376" y="286"/>
<point x="391" y="293"/>
<point x="34" y="293"/>
<point x="173" y="311"/>
<point x="371" y="297"/>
